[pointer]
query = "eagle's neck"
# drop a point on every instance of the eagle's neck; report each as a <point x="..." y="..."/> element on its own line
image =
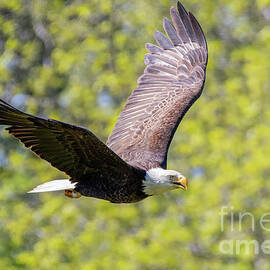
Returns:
<point x="156" y="182"/>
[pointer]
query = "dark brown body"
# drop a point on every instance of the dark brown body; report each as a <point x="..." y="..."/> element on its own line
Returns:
<point x="116" y="187"/>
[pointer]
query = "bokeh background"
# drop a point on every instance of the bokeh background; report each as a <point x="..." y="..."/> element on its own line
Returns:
<point x="78" y="61"/>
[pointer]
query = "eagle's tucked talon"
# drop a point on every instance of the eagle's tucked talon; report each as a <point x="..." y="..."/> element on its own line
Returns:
<point x="72" y="194"/>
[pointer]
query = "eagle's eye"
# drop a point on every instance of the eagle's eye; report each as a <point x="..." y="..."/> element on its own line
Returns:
<point x="172" y="177"/>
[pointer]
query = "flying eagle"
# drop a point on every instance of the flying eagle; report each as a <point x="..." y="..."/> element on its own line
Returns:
<point x="132" y="164"/>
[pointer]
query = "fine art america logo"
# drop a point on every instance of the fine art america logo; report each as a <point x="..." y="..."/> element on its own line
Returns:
<point x="236" y="243"/>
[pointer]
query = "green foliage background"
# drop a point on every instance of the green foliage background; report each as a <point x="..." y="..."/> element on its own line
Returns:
<point x="78" y="61"/>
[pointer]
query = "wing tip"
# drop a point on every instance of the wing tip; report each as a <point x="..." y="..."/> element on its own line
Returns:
<point x="181" y="8"/>
<point x="173" y="11"/>
<point x="187" y="29"/>
<point x="184" y="29"/>
<point x="198" y="31"/>
<point x="5" y="105"/>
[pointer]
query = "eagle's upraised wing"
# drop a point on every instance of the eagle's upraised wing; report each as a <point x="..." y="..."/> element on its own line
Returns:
<point x="171" y="83"/>
<point x="71" y="149"/>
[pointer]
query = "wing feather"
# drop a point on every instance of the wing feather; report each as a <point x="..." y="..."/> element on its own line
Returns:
<point x="71" y="149"/>
<point x="179" y="26"/>
<point x="171" y="32"/>
<point x="161" y="39"/>
<point x="172" y="80"/>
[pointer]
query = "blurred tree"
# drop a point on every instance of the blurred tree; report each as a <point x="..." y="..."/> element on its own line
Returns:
<point x="78" y="61"/>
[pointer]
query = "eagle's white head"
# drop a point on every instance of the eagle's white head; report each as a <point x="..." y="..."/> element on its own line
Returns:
<point x="158" y="180"/>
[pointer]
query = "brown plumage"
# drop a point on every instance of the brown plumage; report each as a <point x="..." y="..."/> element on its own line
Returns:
<point x="170" y="84"/>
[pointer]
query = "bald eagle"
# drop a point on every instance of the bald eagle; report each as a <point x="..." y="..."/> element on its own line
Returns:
<point x="132" y="164"/>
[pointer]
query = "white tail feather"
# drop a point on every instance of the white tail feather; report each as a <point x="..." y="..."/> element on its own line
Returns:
<point x="53" y="186"/>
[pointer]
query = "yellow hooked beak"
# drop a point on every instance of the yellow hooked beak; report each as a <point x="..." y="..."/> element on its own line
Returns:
<point x="181" y="182"/>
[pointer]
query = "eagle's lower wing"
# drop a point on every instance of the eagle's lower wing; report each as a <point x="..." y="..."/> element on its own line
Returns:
<point x="71" y="149"/>
<point x="171" y="83"/>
